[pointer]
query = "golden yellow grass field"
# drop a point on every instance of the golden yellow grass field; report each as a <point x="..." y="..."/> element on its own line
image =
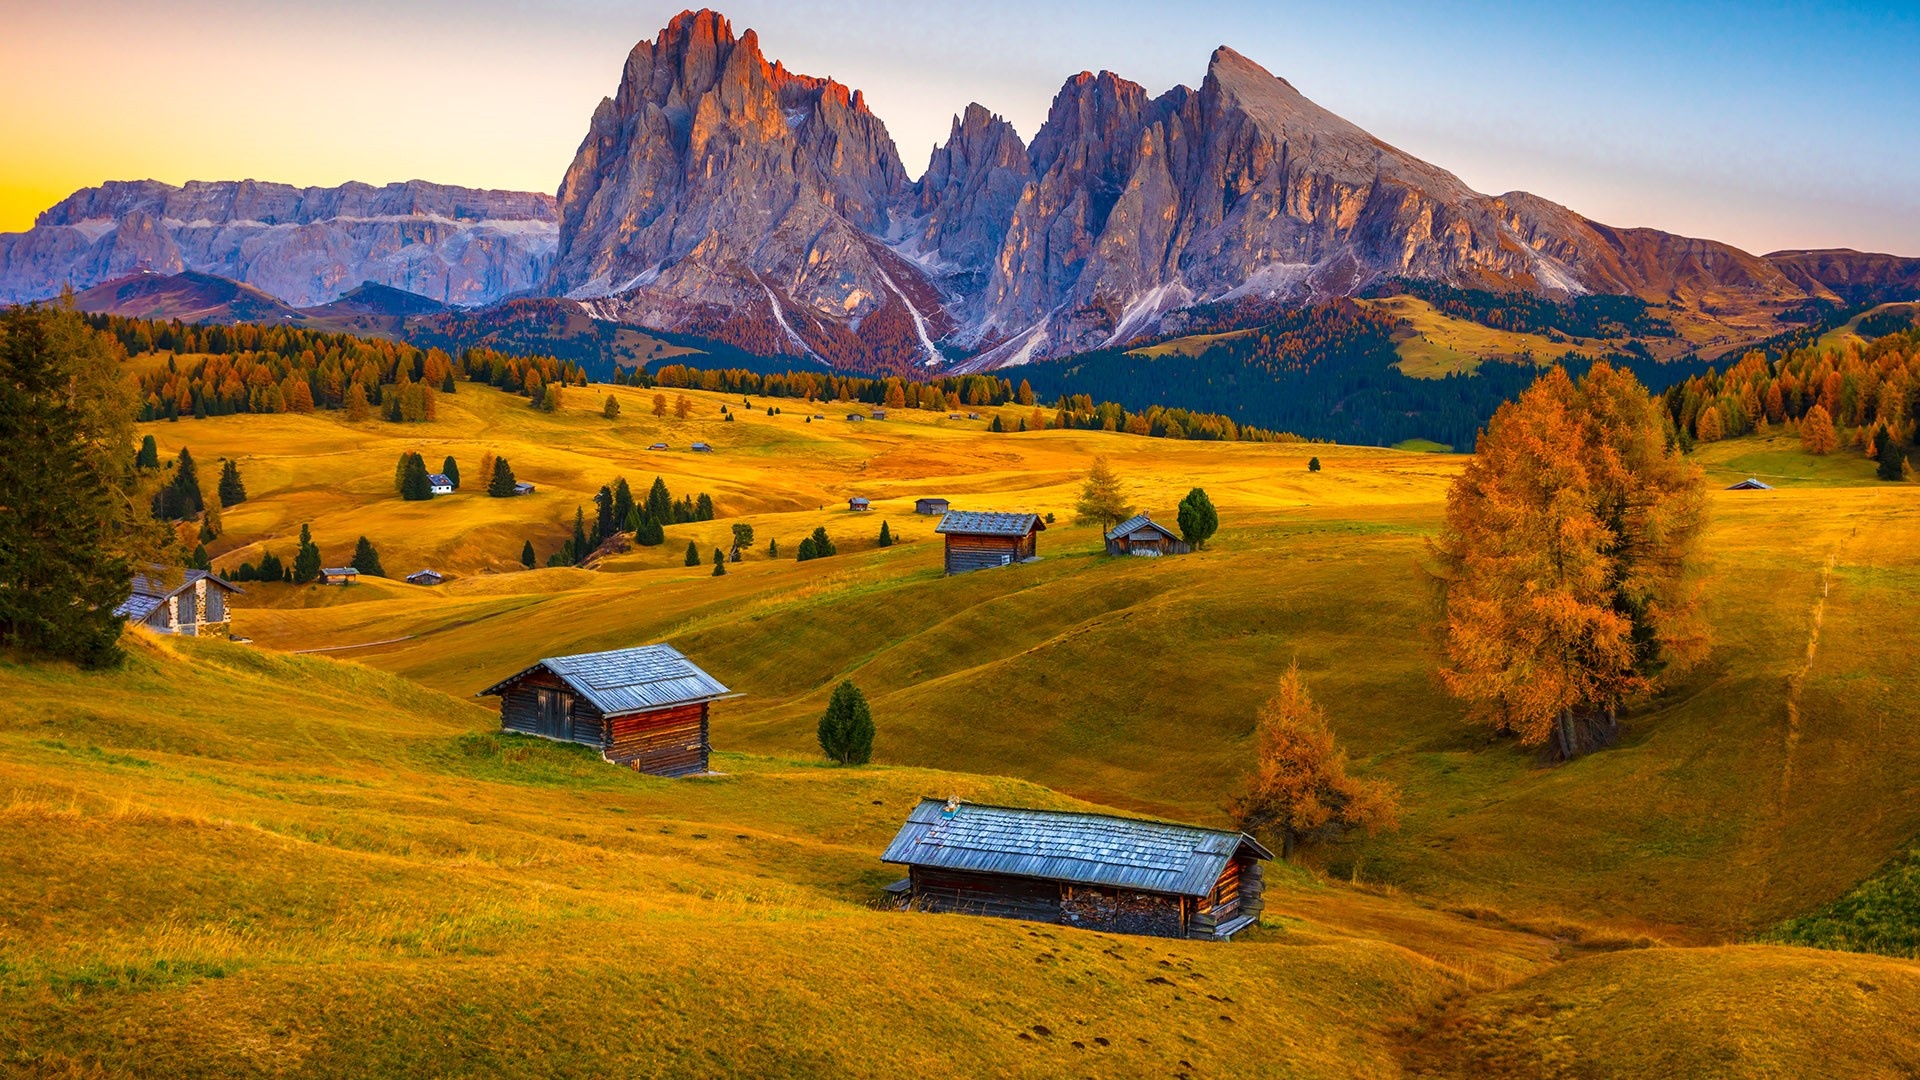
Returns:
<point x="236" y="861"/>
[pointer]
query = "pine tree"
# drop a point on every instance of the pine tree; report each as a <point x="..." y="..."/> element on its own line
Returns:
<point x="149" y="455"/>
<point x="773" y="549"/>
<point x="805" y="553"/>
<point x="742" y="535"/>
<point x="1300" y="786"/>
<point x="822" y="544"/>
<point x="210" y="527"/>
<point x="1198" y="519"/>
<point x="502" y="484"/>
<point x="1709" y="428"/>
<point x="693" y="554"/>
<point x="1100" y="498"/>
<point x="846" y="728"/>
<point x="703" y="508"/>
<point x="451" y="470"/>
<point x="1313" y="464"/>
<point x="623" y="507"/>
<point x="358" y="407"/>
<point x="581" y="549"/>
<point x="1890" y="459"/>
<point x="886" y="535"/>
<point x="416" y="487"/>
<point x="233" y="491"/>
<point x="199" y="560"/>
<point x="527" y="558"/>
<point x="719" y="562"/>
<point x="660" y="502"/>
<point x="548" y="400"/>
<point x="306" y="560"/>
<point x="366" y="560"/>
<point x="611" y="410"/>
<point x="604" y="523"/>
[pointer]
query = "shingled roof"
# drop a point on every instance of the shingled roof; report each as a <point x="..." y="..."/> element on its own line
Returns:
<point x="1078" y="848"/>
<point x="149" y="592"/>
<point x="979" y="523"/>
<point x="1139" y="523"/>
<point x="627" y="680"/>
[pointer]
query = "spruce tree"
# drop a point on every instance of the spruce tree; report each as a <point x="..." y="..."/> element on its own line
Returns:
<point x="1198" y="519"/>
<point x="693" y="554"/>
<point x="1100" y="498"/>
<point x="415" y="486"/>
<point x="743" y="536"/>
<point x="580" y="547"/>
<point x="306" y="560"/>
<point x="719" y="562"/>
<point x="805" y="553"/>
<point x="703" y="509"/>
<point x="149" y="455"/>
<point x="366" y="560"/>
<point x="773" y="549"/>
<point x="660" y="502"/>
<point x="604" y="523"/>
<point x="1313" y="464"/>
<point x="502" y="484"/>
<point x="1889" y="457"/>
<point x="527" y="557"/>
<point x="846" y="728"/>
<point x="233" y="491"/>
<point x="622" y="503"/>
<point x="886" y="535"/>
<point x="451" y="469"/>
<point x="822" y="544"/>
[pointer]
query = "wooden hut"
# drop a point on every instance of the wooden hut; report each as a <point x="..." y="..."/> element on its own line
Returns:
<point x="339" y="575"/>
<point x="644" y="707"/>
<point x="425" y="577"/>
<point x="859" y="502"/>
<point x="1089" y="870"/>
<point x="523" y="487"/>
<point x="977" y="541"/>
<point x="701" y="448"/>
<point x="1141" y="535"/>
<point x="198" y="605"/>
<point x="931" y="506"/>
<point x="1750" y="484"/>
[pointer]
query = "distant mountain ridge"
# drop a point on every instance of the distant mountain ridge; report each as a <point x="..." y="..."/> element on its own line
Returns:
<point x="717" y="193"/>
<point x="306" y="246"/>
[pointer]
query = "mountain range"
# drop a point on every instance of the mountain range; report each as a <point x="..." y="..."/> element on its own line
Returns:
<point x="718" y="193"/>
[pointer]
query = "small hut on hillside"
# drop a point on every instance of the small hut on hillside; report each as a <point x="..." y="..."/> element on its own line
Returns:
<point x="440" y="483"/>
<point x="1094" y="871"/>
<point x="339" y="575"/>
<point x="859" y="502"/>
<point x="196" y="606"/>
<point x="977" y="541"/>
<point x="1141" y="535"/>
<point x="1750" y="484"/>
<point x="425" y="577"/>
<point x="644" y="707"/>
<point x="931" y="506"/>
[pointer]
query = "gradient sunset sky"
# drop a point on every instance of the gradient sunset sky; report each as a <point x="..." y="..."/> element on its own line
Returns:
<point x="1767" y="125"/>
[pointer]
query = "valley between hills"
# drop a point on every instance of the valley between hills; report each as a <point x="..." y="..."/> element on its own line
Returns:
<point x="315" y="854"/>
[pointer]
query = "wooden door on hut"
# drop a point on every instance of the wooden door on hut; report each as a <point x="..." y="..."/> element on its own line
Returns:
<point x="555" y="713"/>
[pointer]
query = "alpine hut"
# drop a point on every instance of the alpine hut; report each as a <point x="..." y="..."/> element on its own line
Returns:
<point x="977" y="541"/>
<point x="643" y="707"/>
<point x="1750" y="484"/>
<point x="931" y="506"/>
<point x="1141" y="535"/>
<point x="1089" y="870"/>
<point x="425" y="577"/>
<point x="859" y="502"/>
<point x="339" y="575"/>
<point x="440" y="483"/>
<point x="195" y="606"/>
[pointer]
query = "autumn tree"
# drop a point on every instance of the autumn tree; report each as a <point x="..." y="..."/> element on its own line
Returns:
<point x="659" y="404"/>
<point x="1816" y="431"/>
<point x="358" y="407"/>
<point x="611" y="410"/>
<point x="682" y="408"/>
<point x="1198" y="519"/>
<point x="1300" y="787"/>
<point x="1564" y="568"/>
<point x="1100" y="497"/>
<point x="1709" y="428"/>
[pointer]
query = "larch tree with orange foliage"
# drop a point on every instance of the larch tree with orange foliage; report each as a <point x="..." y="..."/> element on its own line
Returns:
<point x="1565" y="566"/>
<point x="1816" y="431"/>
<point x="1300" y="787"/>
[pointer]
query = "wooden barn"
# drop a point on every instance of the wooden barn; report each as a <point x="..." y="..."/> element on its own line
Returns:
<point x="978" y="541"/>
<point x="1093" y="871"/>
<point x="644" y="707"/>
<point x="426" y="577"/>
<point x="1750" y="484"/>
<point x="1141" y="535"/>
<point x="198" y="605"/>
<point x="339" y="575"/>
<point x="931" y="506"/>
<point x="859" y="502"/>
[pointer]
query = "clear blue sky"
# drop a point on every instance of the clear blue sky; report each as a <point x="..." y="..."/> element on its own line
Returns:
<point x="1766" y="125"/>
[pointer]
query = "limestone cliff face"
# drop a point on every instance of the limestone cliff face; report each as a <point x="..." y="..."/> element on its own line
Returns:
<point x="964" y="202"/>
<point x="305" y="246"/>
<point x="720" y="193"/>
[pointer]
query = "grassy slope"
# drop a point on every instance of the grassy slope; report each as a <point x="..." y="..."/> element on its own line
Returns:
<point x="1432" y="344"/>
<point x="223" y="862"/>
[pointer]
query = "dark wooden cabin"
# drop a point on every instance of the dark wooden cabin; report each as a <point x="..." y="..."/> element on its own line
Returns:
<point x="1750" y="484"/>
<point x="645" y="707"/>
<point x="931" y="506"/>
<point x="196" y="606"/>
<point x="978" y="541"/>
<point x="339" y="575"/>
<point x="1093" y="871"/>
<point x="426" y="577"/>
<point x="1141" y="535"/>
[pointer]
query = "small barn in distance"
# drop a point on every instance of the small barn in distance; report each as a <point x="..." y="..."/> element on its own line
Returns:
<point x="644" y="707"/>
<point x="978" y="541"/>
<point x="339" y="575"/>
<point x="1141" y="535"/>
<point x="195" y="606"/>
<point x="859" y="502"/>
<point x="931" y="506"/>
<point x="1750" y="484"/>
<point x="1089" y="870"/>
<point x="425" y="577"/>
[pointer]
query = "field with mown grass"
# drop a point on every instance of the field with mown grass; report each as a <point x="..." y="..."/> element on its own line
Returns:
<point x="250" y="860"/>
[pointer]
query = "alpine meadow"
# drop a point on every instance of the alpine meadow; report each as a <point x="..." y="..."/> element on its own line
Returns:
<point x="1196" y="591"/>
